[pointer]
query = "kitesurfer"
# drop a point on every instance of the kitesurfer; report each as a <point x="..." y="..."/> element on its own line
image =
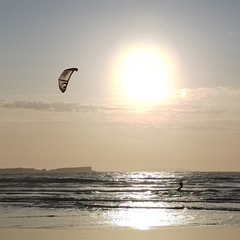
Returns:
<point x="180" y="186"/>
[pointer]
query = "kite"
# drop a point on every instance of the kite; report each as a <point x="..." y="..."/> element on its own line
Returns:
<point x="65" y="77"/>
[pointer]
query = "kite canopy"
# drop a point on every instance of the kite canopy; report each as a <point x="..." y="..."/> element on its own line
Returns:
<point x="65" y="77"/>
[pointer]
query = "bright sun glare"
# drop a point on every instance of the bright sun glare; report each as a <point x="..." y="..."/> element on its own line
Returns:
<point x="143" y="75"/>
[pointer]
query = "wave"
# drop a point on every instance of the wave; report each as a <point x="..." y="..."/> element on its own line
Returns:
<point x="201" y="191"/>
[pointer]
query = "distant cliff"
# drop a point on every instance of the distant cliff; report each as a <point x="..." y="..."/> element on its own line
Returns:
<point x="57" y="170"/>
<point x="74" y="170"/>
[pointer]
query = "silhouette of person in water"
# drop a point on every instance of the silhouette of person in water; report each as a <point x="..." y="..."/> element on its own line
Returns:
<point x="180" y="186"/>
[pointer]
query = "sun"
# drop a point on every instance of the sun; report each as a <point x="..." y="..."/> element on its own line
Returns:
<point x="143" y="75"/>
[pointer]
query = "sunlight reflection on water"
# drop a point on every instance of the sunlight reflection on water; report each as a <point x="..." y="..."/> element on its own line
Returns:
<point x="144" y="219"/>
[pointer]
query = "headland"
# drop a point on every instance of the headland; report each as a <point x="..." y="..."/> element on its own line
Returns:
<point x="57" y="170"/>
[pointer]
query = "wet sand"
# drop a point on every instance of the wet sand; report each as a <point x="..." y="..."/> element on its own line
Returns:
<point x="168" y="233"/>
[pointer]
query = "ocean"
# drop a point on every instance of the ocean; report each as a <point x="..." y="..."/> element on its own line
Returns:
<point x="139" y="200"/>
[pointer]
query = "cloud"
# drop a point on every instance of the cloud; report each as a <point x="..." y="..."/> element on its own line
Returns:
<point x="52" y="106"/>
<point x="197" y="109"/>
<point x="200" y="109"/>
<point x="181" y="101"/>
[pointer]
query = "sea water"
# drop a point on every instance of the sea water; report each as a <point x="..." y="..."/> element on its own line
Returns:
<point x="141" y="200"/>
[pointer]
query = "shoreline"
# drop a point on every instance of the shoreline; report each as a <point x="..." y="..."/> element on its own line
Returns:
<point x="165" y="233"/>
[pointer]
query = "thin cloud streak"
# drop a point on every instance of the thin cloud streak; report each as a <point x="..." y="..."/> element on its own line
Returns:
<point x="52" y="106"/>
<point x="202" y="109"/>
<point x="193" y="100"/>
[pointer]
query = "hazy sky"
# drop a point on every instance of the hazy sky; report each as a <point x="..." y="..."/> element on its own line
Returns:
<point x="188" y="51"/>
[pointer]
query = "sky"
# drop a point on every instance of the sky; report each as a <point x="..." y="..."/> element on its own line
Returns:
<point x="157" y="88"/>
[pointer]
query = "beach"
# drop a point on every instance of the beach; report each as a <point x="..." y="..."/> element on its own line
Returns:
<point x="168" y="233"/>
<point x="120" y="206"/>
